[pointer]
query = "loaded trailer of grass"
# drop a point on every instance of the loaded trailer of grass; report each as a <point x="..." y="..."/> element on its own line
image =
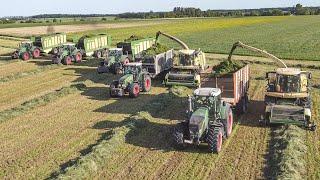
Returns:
<point x="228" y="67"/>
<point x="133" y="38"/>
<point x="155" y="50"/>
<point x="287" y="151"/>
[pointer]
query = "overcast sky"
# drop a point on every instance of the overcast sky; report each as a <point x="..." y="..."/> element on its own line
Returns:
<point x="34" y="7"/>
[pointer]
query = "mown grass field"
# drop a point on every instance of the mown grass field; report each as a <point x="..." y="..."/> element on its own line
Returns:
<point x="59" y="121"/>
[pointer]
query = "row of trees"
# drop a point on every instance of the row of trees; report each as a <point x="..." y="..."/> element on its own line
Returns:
<point x="179" y="12"/>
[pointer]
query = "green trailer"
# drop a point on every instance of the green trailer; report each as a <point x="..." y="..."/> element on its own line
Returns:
<point x="96" y="46"/>
<point x="40" y="44"/>
<point x="126" y="52"/>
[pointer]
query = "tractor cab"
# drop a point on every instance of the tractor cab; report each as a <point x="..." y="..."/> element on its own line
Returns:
<point x="191" y="58"/>
<point x="133" y="68"/>
<point x="205" y="98"/>
<point x="26" y="44"/>
<point x="116" y="52"/>
<point x="288" y="80"/>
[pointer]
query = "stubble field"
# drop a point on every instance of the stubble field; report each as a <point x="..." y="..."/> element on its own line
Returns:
<point x="59" y="121"/>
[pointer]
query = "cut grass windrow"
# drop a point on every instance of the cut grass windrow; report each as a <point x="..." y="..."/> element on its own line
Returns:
<point x="287" y="150"/>
<point x="40" y="101"/>
<point x="28" y="73"/>
<point x="89" y="165"/>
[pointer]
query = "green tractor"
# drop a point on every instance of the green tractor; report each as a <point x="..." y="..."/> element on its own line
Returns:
<point x="26" y="51"/>
<point x="134" y="81"/>
<point x="210" y="120"/>
<point x="115" y="62"/>
<point x="67" y="54"/>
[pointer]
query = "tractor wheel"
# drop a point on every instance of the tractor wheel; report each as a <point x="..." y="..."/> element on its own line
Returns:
<point x="15" y="55"/>
<point x="146" y="84"/>
<point x="229" y="123"/>
<point x="78" y="57"/>
<point x="36" y="53"/>
<point x="98" y="54"/>
<point x="67" y="60"/>
<point x="134" y="90"/>
<point x="25" y="56"/>
<point x="178" y="135"/>
<point x="215" y="137"/>
<point x="126" y="61"/>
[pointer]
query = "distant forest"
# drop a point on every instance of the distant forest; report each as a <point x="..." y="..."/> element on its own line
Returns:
<point x="180" y="12"/>
<point x="177" y="12"/>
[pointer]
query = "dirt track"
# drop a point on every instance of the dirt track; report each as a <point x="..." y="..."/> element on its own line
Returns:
<point x="46" y="139"/>
<point x="27" y="31"/>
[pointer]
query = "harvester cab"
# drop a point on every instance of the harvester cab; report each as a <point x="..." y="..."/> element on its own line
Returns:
<point x="210" y="120"/>
<point x="288" y="98"/>
<point x="67" y="54"/>
<point x="190" y="64"/>
<point x="26" y="51"/>
<point x="134" y="80"/>
<point x="115" y="62"/>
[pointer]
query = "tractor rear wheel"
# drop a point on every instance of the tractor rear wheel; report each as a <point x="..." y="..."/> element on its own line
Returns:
<point x="78" y="57"/>
<point x="179" y="135"/>
<point x="214" y="139"/>
<point x="36" y="53"/>
<point x="146" y="84"/>
<point x="67" y="60"/>
<point x="25" y="56"/>
<point x="134" y="90"/>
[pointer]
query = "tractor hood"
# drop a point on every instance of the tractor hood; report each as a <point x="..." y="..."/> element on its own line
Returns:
<point x="198" y="123"/>
<point x="126" y="79"/>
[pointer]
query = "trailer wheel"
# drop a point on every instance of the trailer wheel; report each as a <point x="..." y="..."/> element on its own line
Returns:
<point x="25" y="56"/>
<point x="67" y="60"/>
<point x="134" y="90"/>
<point x="215" y="136"/>
<point x="98" y="54"/>
<point x="36" y="53"/>
<point x="178" y="135"/>
<point x="229" y="122"/>
<point x="147" y="84"/>
<point x="78" y="57"/>
<point x="55" y="51"/>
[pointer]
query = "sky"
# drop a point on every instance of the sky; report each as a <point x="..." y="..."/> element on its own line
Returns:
<point x="34" y="7"/>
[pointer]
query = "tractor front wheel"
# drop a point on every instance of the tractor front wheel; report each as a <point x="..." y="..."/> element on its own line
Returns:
<point x="67" y="60"/>
<point x="229" y="123"/>
<point x="215" y="137"/>
<point x="147" y="84"/>
<point x="178" y="135"/>
<point x="25" y="56"/>
<point x="134" y="90"/>
<point x="78" y="57"/>
<point x="36" y="53"/>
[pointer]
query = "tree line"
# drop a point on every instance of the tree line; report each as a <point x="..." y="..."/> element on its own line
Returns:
<point x="181" y="12"/>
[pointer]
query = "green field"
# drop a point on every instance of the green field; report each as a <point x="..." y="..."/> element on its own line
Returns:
<point x="286" y="37"/>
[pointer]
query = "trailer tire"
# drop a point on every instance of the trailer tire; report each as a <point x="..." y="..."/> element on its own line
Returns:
<point x="67" y="60"/>
<point x="134" y="90"/>
<point x="98" y="54"/>
<point x="215" y="139"/>
<point x="179" y="135"/>
<point x="55" y="51"/>
<point x="25" y="56"/>
<point x="36" y="53"/>
<point x="146" y="84"/>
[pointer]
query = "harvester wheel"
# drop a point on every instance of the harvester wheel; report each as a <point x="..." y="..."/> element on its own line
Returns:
<point x="78" y="57"/>
<point x="178" y="135"/>
<point x="146" y="84"/>
<point x="215" y="136"/>
<point x="36" y="53"/>
<point x="134" y="90"/>
<point x="25" y="56"/>
<point x="67" y="60"/>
